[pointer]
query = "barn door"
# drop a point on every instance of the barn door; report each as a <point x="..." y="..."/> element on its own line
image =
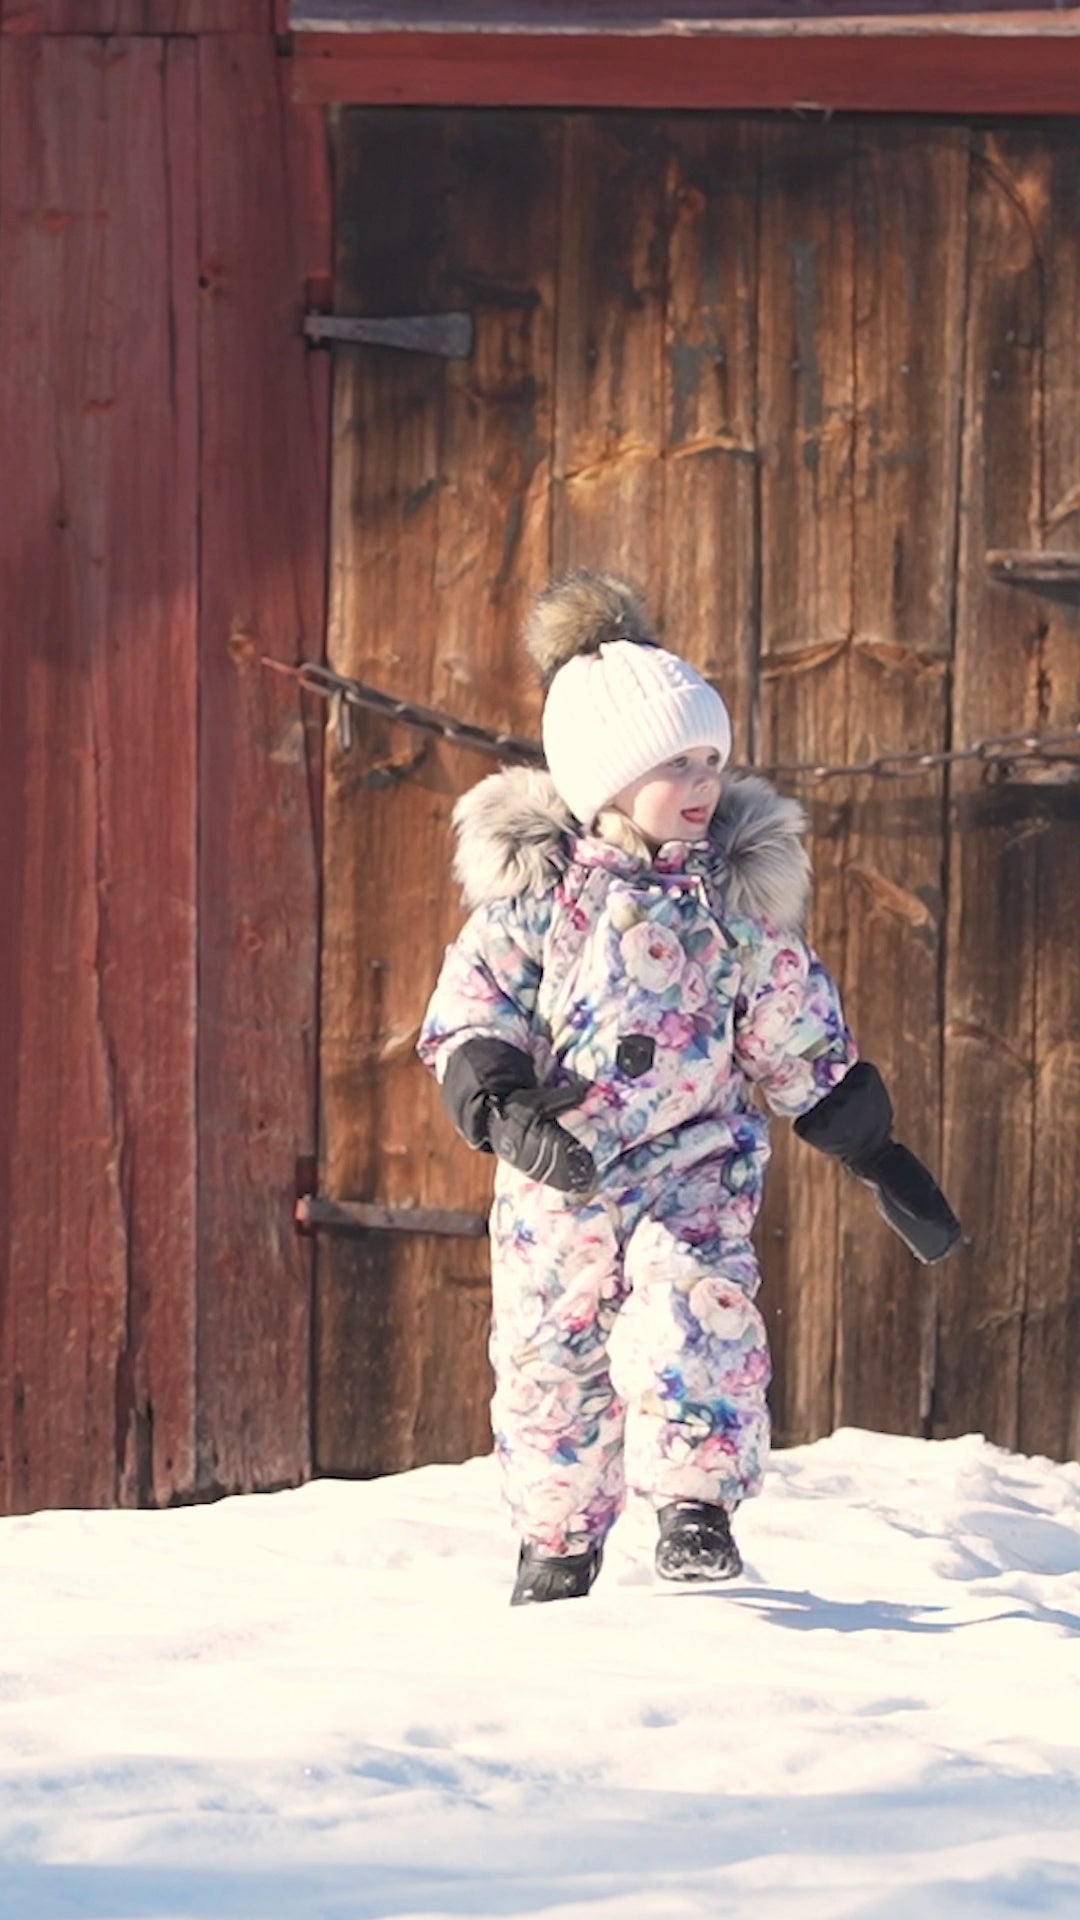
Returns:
<point x="746" y="362"/>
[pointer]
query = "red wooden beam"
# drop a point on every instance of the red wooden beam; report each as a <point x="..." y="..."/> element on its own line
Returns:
<point x="133" y="19"/>
<point x="98" y="841"/>
<point x="689" y="17"/>
<point x="880" y="71"/>
<point x="264" y="405"/>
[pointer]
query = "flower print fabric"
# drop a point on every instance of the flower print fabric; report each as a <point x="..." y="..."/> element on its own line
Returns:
<point x="624" y="1355"/>
<point x="625" y="1341"/>
<point x="652" y="956"/>
<point x="616" y="950"/>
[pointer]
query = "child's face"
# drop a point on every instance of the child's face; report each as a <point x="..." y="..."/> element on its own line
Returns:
<point x="675" y="801"/>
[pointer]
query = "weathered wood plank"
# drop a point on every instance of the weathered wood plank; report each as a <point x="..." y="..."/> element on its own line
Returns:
<point x="992" y="926"/>
<point x="1049" y="1388"/>
<point x="1049" y="1413"/>
<point x="440" y="535"/>
<point x="391" y="185"/>
<point x="608" y="505"/>
<point x="1033" y="73"/>
<point x="710" y="556"/>
<point x="97" y="873"/>
<point x="264" y="225"/>
<point x="806" y="446"/>
<point x="910" y="257"/>
<point x="132" y="17"/>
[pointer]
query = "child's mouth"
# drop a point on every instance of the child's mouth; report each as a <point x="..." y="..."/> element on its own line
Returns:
<point x="696" y="816"/>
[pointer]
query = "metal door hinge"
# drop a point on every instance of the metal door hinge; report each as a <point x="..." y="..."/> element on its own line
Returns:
<point x="448" y="335"/>
<point x="1056" y="575"/>
<point x="351" y="1217"/>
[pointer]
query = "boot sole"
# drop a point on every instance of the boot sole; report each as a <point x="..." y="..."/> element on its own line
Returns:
<point x="698" y="1572"/>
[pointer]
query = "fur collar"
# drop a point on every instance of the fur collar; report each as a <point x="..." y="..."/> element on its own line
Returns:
<point x="514" y="836"/>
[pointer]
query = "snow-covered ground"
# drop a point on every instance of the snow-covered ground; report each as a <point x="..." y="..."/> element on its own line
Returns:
<point x="318" y="1706"/>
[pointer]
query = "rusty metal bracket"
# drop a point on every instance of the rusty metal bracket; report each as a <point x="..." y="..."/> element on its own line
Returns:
<point x="1057" y="575"/>
<point x="449" y="336"/>
<point x="355" y="1217"/>
<point x="389" y="773"/>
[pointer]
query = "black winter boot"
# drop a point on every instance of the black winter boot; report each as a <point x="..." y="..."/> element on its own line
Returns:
<point x="551" y="1577"/>
<point x="695" y="1543"/>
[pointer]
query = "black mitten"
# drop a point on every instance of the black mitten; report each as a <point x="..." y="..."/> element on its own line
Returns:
<point x="524" y="1132"/>
<point x="908" y="1197"/>
<point x="854" y="1124"/>
<point x="478" y="1074"/>
<point x="855" y="1118"/>
<point x="490" y="1090"/>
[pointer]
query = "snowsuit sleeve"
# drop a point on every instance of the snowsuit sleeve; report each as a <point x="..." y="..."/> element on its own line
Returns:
<point x="791" y="1037"/>
<point x="489" y="981"/>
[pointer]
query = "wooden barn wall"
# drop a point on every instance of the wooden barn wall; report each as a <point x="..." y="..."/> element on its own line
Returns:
<point x="166" y="507"/>
<point x="164" y="444"/>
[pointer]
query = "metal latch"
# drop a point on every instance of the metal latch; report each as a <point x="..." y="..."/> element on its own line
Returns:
<point x="1055" y="575"/>
<point x="449" y="335"/>
<point x="353" y="1217"/>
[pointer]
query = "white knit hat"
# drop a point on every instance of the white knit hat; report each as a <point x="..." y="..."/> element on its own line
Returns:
<point x="613" y="715"/>
<point x="617" y="704"/>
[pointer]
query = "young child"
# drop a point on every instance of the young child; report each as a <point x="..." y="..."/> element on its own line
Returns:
<point x="632" y="973"/>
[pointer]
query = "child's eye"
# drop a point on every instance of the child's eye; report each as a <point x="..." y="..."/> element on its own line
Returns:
<point x="678" y="763"/>
<point x="714" y="759"/>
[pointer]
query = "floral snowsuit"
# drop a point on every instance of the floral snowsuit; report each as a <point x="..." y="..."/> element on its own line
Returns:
<point x="626" y="1344"/>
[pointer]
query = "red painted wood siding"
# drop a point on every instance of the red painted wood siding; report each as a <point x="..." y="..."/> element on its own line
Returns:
<point x="97" y="767"/>
<point x="264" y="505"/>
<point x="164" y="437"/>
<point x="154" y="17"/>
<point x="881" y="73"/>
<point x="646" y="17"/>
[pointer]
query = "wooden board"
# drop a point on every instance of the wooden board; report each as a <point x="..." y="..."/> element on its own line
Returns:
<point x="440" y="534"/>
<point x="608" y="505"/>
<point x="911" y="204"/>
<point x="992" y="931"/>
<point x="1035" y="73"/>
<point x="695" y="17"/>
<point x="1049" y="1395"/>
<point x="655" y="397"/>
<point x="97" y="772"/>
<point x="806" y="419"/>
<point x="127" y="17"/>
<point x="706" y="581"/>
<point x="264" y="456"/>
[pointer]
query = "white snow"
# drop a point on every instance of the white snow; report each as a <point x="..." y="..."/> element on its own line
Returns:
<point x="317" y="1705"/>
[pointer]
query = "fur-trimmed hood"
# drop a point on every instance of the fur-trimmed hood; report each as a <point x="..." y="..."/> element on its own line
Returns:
<point x="514" y="836"/>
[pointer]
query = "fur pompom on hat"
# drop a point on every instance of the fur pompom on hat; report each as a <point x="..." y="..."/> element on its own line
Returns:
<point x="618" y="704"/>
<point x="578" y="614"/>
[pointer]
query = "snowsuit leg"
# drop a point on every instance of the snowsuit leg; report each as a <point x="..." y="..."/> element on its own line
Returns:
<point x="691" y="1358"/>
<point x="557" y="1284"/>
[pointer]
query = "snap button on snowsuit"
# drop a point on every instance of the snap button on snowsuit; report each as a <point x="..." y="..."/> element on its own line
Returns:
<point x="635" y="1054"/>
